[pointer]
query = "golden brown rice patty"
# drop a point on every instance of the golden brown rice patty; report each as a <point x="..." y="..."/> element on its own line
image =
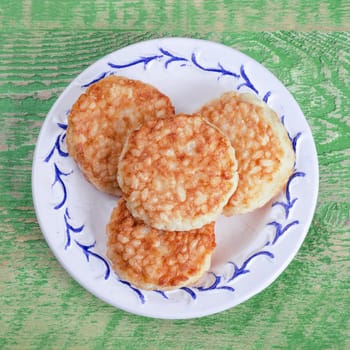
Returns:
<point x="177" y="173"/>
<point x="264" y="152"/>
<point x="101" y="119"/>
<point x="153" y="259"/>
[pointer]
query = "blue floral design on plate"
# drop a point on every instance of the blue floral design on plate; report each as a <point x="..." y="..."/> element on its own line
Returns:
<point x="165" y="58"/>
<point x="59" y="175"/>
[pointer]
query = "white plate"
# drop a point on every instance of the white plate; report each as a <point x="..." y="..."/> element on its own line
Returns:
<point x="252" y="249"/>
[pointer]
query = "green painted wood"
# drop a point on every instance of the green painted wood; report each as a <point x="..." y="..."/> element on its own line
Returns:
<point x="177" y="16"/>
<point x="308" y="307"/>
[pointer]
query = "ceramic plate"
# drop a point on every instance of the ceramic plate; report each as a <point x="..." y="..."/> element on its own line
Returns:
<point x="252" y="249"/>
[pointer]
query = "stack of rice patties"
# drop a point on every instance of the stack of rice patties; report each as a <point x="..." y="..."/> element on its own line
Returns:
<point x="98" y="126"/>
<point x="177" y="173"/>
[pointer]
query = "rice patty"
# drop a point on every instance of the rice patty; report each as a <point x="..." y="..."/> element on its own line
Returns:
<point x="153" y="259"/>
<point x="177" y="173"/>
<point x="100" y="121"/>
<point x="264" y="152"/>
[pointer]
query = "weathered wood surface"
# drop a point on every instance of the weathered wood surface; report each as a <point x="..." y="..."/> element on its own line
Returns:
<point x="308" y="307"/>
<point x="176" y="16"/>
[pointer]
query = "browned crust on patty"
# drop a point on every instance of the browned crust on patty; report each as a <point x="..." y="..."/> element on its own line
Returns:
<point x="154" y="259"/>
<point x="263" y="150"/>
<point x="177" y="173"/>
<point x="100" y="121"/>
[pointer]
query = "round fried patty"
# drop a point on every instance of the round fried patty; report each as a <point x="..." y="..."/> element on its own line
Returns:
<point x="263" y="150"/>
<point x="154" y="259"/>
<point x="177" y="173"/>
<point x="100" y="121"/>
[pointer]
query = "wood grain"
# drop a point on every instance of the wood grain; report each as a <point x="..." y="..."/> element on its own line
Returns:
<point x="308" y="307"/>
<point x="176" y="16"/>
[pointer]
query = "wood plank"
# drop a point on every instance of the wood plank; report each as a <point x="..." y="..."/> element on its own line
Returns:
<point x="176" y="16"/>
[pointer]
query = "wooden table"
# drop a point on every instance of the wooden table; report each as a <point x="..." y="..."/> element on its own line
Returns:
<point x="45" y="44"/>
